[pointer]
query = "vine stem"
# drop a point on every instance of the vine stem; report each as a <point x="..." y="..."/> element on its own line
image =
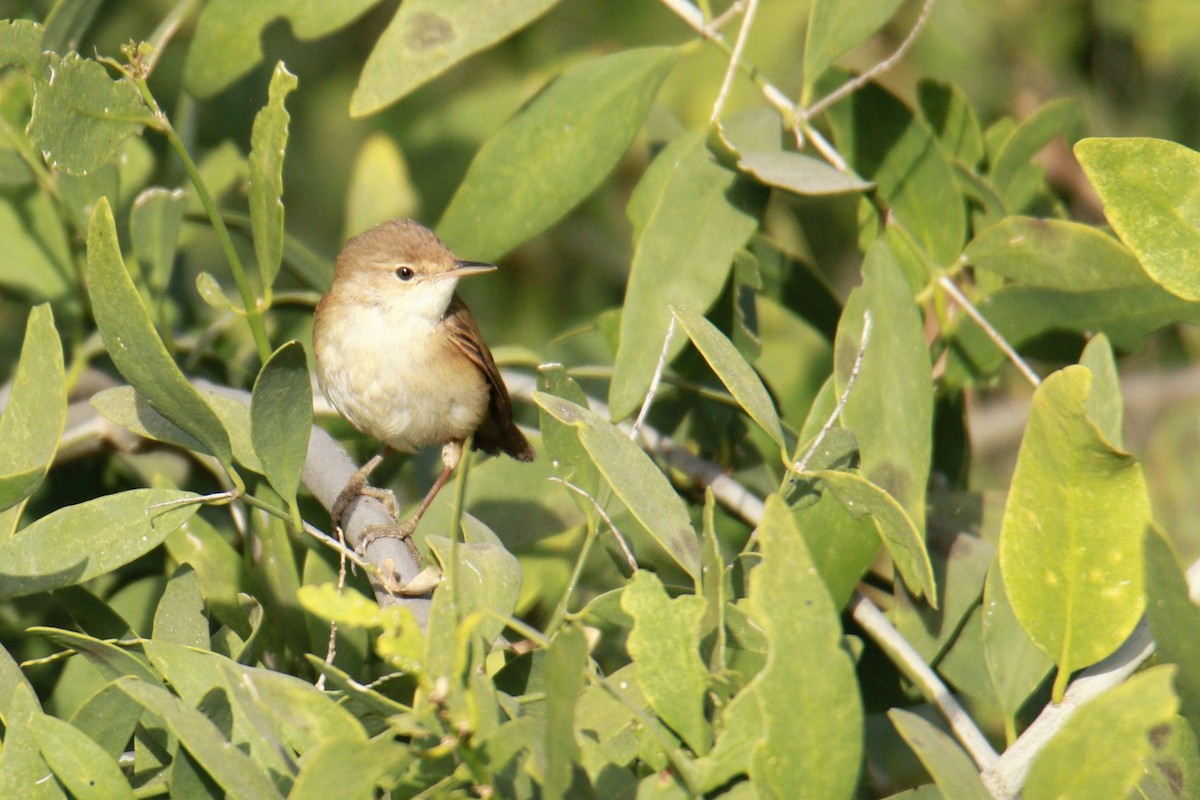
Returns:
<point x="253" y="310"/>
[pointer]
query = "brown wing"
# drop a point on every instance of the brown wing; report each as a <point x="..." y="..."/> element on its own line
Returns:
<point x="497" y="432"/>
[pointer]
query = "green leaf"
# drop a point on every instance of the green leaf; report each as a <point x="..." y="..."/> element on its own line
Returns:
<point x="960" y="566"/>
<point x="1015" y="665"/>
<point x="690" y="216"/>
<point x="1174" y="620"/>
<point x="1105" y="407"/>
<point x="67" y="22"/>
<point x="36" y="411"/>
<point x="554" y="152"/>
<point x="20" y="43"/>
<point x="1071" y="540"/>
<point x="841" y="544"/>
<point x="1055" y="254"/>
<point x="886" y="143"/>
<point x="570" y="461"/>
<point x="12" y="679"/>
<point x="112" y="661"/>
<point x="799" y="174"/>
<point x="1104" y="748"/>
<point x="77" y="543"/>
<point x="179" y="617"/>
<point x="154" y="225"/>
<point x="134" y="345"/>
<point x="346" y="768"/>
<point x="78" y="762"/>
<point x="226" y="44"/>
<point x="281" y="419"/>
<point x="566" y="667"/>
<point x="665" y="646"/>
<point x="951" y="116"/>
<point x="489" y="579"/>
<point x="795" y="757"/>
<point x="904" y="541"/>
<point x="268" y="143"/>
<point x="80" y="115"/>
<point x="1062" y="117"/>
<point x="109" y="718"/>
<point x="951" y="768"/>
<point x="1151" y="194"/>
<point x="38" y="262"/>
<point x="835" y="27"/>
<point x="228" y="766"/>
<point x="23" y="772"/>
<point x="634" y="478"/>
<point x="380" y="186"/>
<point x="738" y="376"/>
<point x="890" y="407"/>
<point x="427" y="37"/>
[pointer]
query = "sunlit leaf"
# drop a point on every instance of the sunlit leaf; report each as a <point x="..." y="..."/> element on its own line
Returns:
<point x="837" y="26"/>
<point x="268" y="141"/>
<point x="380" y="186"/>
<point x="78" y="762"/>
<point x="281" y="418"/>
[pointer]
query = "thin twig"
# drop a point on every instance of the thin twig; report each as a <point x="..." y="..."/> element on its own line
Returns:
<point x="802" y="464"/>
<point x="872" y="620"/>
<point x="658" y="373"/>
<point x="850" y="87"/>
<point x="633" y="565"/>
<point x="343" y="550"/>
<point x="961" y="300"/>
<point x="734" y="59"/>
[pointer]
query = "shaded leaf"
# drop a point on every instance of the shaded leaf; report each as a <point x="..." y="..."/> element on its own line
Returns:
<point x="154" y="225"/>
<point x="1070" y="545"/>
<point x="1104" y="406"/>
<point x="427" y="37"/>
<point x="489" y="577"/>
<point x="346" y="768"/>
<point x="179" y="617"/>
<point x="639" y="484"/>
<point x="800" y="174"/>
<point x="951" y="768"/>
<point x="134" y="345"/>
<point x="665" y="646"/>
<point x="566" y="667"/>
<point x="1174" y="620"/>
<point x="554" y="152"/>
<point x="1015" y="665"/>
<point x="77" y="543"/>
<point x="20" y="43"/>
<point x="78" y="762"/>
<point x="268" y="142"/>
<point x="36" y="411"/>
<point x="1151" y="194"/>
<point x="835" y="27"/>
<point x="1063" y="117"/>
<point x="281" y="419"/>
<point x="953" y="119"/>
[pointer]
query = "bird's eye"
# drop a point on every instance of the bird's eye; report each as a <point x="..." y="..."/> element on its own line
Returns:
<point x="405" y="273"/>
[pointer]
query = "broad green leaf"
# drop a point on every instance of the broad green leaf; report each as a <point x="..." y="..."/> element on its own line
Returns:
<point x="1055" y="254"/>
<point x="1071" y="541"/>
<point x="346" y="768"/>
<point x="281" y="419"/>
<point x="1016" y="667"/>
<point x="953" y="119"/>
<point x="226" y="44"/>
<point x="634" y="478"/>
<point x="960" y="566"/>
<point x="20" y="43"/>
<point x="380" y="186"/>
<point x="427" y="37"/>
<point x="570" y="461"/>
<point x="886" y="143"/>
<point x="489" y="578"/>
<point x="566" y="667"/>
<point x="81" y="115"/>
<point x="134" y="345"/>
<point x="835" y="27"/>
<point x="739" y="730"/>
<point x="1105" y="406"/>
<point x="841" y="544"/>
<point x="1062" y="117"/>
<point x="179" y="617"/>
<point x="1174" y="620"/>
<point x="904" y="541"/>
<point x="554" y="152"/>
<point x="11" y="677"/>
<point x="23" y="772"/>
<point x="37" y="261"/>
<point x="951" y="768"/>
<point x="796" y="757"/>
<point x="739" y="377"/>
<point x="109" y="718"/>
<point x="268" y="143"/>
<point x="890" y="407"/>
<point x="154" y="225"/>
<point x="77" y="543"/>
<point x="1151" y="194"/>
<point x="79" y="763"/>
<point x="1104" y="749"/>
<point x="665" y="646"/>
<point x="799" y="174"/>
<point x="1021" y="314"/>
<point x="229" y="767"/>
<point x="690" y="215"/>
<point x="130" y="409"/>
<point x="33" y="418"/>
<point x="218" y="568"/>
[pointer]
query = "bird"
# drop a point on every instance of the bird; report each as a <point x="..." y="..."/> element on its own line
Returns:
<point x="400" y="357"/>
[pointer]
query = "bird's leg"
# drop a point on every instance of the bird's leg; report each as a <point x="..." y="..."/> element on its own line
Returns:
<point x="451" y="455"/>
<point x="357" y="485"/>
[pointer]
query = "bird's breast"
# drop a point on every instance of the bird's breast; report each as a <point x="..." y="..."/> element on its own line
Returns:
<point x="398" y="379"/>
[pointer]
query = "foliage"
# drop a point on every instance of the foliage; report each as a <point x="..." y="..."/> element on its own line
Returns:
<point x="754" y="558"/>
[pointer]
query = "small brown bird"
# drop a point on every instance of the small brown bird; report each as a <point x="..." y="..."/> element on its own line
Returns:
<point x="400" y="356"/>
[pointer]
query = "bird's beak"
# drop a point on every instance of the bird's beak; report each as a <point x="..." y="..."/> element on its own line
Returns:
<point x="463" y="269"/>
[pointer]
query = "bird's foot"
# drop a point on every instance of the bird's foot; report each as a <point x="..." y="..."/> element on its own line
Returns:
<point x="358" y="487"/>
<point x="401" y="529"/>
